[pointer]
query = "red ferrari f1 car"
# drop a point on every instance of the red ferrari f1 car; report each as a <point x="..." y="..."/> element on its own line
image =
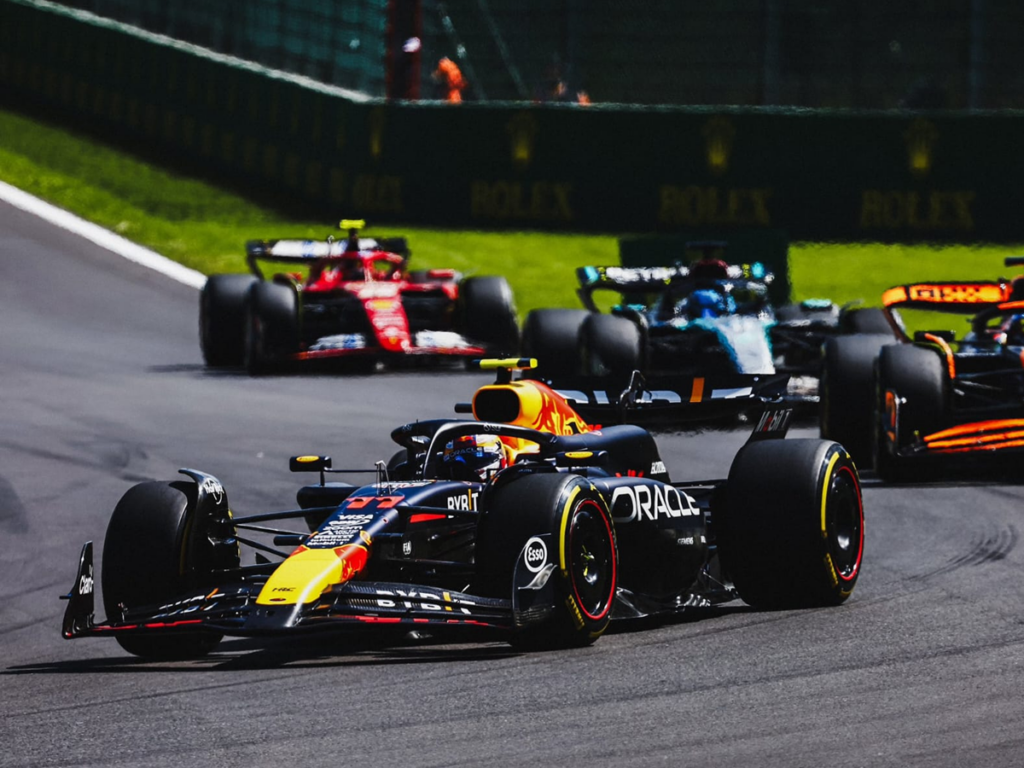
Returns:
<point x="525" y="523"/>
<point x="357" y="303"/>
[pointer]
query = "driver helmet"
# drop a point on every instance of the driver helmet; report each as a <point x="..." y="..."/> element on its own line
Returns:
<point x="351" y="268"/>
<point x="706" y="303"/>
<point x="1014" y="333"/>
<point x="707" y="260"/>
<point x="473" y="457"/>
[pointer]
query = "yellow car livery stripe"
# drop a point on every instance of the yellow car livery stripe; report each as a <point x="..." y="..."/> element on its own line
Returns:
<point x="308" y="572"/>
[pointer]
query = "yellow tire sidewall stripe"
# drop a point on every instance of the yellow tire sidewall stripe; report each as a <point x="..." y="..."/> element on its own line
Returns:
<point x="824" y="491"/>
<point x="562" y="560"/>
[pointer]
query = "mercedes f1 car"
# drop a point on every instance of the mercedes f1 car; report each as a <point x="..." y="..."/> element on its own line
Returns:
<point x="933" y="401"/>
<point x="524" y="523"/>
<point x="355" y="301"/>
<point x="709" y="318"/>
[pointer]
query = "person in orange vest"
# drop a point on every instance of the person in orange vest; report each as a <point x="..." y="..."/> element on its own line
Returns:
<point x="450" y="78"/>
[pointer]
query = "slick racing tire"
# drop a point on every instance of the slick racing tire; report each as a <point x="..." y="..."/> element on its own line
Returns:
<point x="865" y="320"/>
<point x="847" y="392"/>
<point x="222" y="319"/>
<point x="552" y="337"/>
<point x="147" y="559"/>
<point x="794" y="524"/>
<point x="609" y="346"/>
<point x="580" y="536"/>
<point x="488" y="314"/>
<point x="271" y="326"/>
<point x="919" y="377"/>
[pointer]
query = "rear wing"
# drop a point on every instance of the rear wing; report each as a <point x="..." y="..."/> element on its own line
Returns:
<point x="961" y="298"/>
<point x="674" y="400"/>
<point x="306" y="251"/>
<point x="646" y="280"/>
<point x="656" y="402"/>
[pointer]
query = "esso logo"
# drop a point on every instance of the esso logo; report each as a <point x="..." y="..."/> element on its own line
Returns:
<point x="535" y="554"/>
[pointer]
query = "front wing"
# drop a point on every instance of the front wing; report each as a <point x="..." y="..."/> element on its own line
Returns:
<point x="423" y="344"/>
<point x="996" y="436"/>
<point x="981" y="439"/>
<point x="232" y="609"/>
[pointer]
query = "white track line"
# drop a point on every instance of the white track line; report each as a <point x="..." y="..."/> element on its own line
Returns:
<point x="100" y="236"/>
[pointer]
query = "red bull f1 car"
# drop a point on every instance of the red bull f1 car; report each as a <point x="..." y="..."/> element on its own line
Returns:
<point x="936" y="400"/>
<point x="352" y="300"/>
<point x="524" y="523"/>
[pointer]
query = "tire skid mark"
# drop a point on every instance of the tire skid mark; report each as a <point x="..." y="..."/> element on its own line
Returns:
<point x="986" y="547"/>
<point x="109" y="455"/>
<point x="13" y="515"/>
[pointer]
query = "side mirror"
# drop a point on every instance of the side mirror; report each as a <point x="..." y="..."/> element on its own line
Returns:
<point x="581" y="458"/>
<point x="309" y="463"/>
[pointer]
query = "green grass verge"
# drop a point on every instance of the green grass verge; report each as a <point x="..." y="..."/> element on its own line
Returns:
<point x="205" y="228"/>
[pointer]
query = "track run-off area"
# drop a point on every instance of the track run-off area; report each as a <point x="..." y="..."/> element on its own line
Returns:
<point x="103" y="385"/>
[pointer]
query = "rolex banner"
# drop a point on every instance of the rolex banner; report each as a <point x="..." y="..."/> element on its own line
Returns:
<point x="810" y="174"/>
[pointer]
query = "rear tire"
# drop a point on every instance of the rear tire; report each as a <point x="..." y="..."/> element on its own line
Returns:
<point x="222" y="319"/>
<point x="866" y="320"/>
<point x="847" y="392"/>
<point x="552" y="337"/>
<point x="272" y="326"/>
<point x="794" y="524"/>
<point x="609" y="346"/>
<point x="488" y="314"/>
<point x="919" y="377"/>
<point x="582" y="536"/>
<point x="147" y="560"/>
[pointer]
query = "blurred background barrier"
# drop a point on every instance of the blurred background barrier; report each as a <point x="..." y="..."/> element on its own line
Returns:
<point x="861" y="54"/>
<point x="292" y="98"/>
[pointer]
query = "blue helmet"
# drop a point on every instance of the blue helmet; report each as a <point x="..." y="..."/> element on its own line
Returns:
<point x="706" y="303"/>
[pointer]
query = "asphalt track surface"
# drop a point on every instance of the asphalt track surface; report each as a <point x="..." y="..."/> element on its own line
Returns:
<point x="102" y="386"/>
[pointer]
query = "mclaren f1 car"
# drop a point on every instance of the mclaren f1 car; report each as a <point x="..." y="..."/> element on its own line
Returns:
<point x="937" y="401"/>
<point x="524" y="523"/>
<point x="351" y="300"/>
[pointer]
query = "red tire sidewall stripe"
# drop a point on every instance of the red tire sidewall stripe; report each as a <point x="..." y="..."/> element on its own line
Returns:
<point x="860" y="512"/>
<point x="611" y="540"/>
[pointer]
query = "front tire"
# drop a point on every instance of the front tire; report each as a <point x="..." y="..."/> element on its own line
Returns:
<point x="847" y="392"/>
<point x="583" y="550"/>
<point x="147" y="559"/>
<point x="222" y="319"/>
<point x="794" y="524"/>
<point x="919" y="378"/>
<point x="272" y="326"/>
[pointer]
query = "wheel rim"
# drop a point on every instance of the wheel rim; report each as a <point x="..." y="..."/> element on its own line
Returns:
<point x="845" y="524"/>
<point x="592" y="563"/>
